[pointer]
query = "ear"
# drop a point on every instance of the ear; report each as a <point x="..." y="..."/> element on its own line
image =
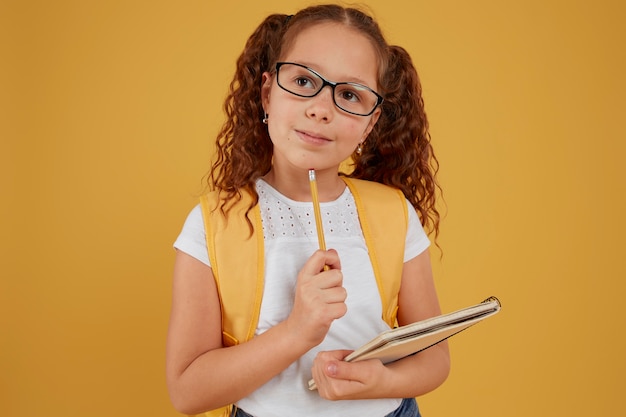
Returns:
<point x="266" y="86"/>
<point x="373" y="119"/>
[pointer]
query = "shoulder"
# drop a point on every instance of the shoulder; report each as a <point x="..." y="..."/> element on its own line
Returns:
<point x="372" y="187"/>
<point x="367" y="184"/>
<point x="216" y="202"/>
<point x="370" y="193"/>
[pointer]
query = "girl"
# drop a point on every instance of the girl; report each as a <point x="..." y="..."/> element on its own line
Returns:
<point x="310" y="91"/>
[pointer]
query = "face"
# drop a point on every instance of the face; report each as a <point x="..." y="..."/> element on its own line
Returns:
<point x="313" y="132"/>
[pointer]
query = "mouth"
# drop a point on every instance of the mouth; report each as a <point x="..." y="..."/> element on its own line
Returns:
<point x="312" y="137"/>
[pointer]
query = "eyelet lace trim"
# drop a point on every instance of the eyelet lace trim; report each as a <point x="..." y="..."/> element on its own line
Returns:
<point x="285" y="218"/>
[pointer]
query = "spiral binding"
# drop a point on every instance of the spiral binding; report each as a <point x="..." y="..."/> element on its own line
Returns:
<point x="492" y="299"/>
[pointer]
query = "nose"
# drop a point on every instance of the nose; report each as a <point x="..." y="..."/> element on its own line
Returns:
<point x="322" y="105"/>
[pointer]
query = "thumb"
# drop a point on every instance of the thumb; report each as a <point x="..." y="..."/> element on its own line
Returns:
<point x="342" y="370"/>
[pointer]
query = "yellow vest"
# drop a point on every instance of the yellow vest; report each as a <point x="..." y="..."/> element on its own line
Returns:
<point x="236" y="257"/>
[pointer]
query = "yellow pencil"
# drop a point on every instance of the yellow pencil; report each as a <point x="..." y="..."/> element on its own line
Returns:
<point x="317" y="212"/>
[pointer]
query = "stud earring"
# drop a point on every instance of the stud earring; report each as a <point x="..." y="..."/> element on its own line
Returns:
<point x="265" y="119"/>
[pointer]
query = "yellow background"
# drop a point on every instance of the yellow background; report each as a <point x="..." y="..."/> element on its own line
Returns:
<point x="109" y="110"/>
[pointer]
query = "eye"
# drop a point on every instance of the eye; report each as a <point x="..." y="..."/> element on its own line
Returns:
<point x="348" y="94"/>
<point x="304" y="82"/>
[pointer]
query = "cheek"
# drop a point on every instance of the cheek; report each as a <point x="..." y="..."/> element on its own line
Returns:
<point x="280" y="112"/>
<point x="356" y="131"/>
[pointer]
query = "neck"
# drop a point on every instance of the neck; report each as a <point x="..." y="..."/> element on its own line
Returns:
<point x="295" y="184"/>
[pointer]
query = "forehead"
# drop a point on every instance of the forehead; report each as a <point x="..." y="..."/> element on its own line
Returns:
<point x="336" y="51"/>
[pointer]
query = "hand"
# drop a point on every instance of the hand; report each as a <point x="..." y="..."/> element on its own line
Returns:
<point x="319" y="298"/>
<point x="340" y="380"/>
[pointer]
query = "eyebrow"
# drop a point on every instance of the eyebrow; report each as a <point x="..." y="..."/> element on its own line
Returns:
<point x="352" y="80"/>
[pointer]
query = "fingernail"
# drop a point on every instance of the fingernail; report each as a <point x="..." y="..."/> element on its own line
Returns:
<point x="332" y="369"/>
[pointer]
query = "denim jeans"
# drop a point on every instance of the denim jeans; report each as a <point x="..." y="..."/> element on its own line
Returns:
<point x="408" y="408"/>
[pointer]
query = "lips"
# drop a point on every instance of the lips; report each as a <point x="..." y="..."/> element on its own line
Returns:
<point x="312" y="137"/>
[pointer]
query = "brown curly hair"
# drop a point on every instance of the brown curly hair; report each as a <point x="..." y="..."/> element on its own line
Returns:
<point x="398" y="150"/>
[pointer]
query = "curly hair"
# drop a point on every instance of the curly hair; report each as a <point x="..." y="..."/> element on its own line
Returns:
<point x="397" y="152"/>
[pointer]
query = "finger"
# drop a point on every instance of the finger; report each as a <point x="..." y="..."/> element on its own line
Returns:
<point x="346" y="371"/>
<point x="330" y="279"/>
<point x="336" y="310"/>
<point x="319" y="259"/>
<point x="331" y="355"/>
<point x="334" y="294"/>
<point x="332" y="259"/>
<point x="322" y="359"/>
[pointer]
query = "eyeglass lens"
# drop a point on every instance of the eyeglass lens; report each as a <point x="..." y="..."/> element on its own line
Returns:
<point x="351" y="97"/>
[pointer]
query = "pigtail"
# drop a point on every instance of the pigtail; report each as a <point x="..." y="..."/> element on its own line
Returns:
<point x="398" y="151"/>
<point x="244" y="149"/>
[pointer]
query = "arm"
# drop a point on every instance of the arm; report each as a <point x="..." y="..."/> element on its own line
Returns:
<point x="409" y="377"/>
<point x="201" y="373"/>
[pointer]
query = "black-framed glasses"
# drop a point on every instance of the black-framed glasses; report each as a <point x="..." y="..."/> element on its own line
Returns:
<point x="302" y="81"/>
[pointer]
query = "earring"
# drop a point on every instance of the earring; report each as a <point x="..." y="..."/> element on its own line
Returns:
<point x="359" y="149"/>
<point x="265" y="119"/>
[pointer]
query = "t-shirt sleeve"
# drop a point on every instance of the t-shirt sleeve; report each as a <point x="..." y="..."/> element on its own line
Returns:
<point x="416" y="239"/>
<point x="192" y="238"/>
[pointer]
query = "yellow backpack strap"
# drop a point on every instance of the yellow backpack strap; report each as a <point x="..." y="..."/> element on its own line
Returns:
<point x="237" y="263"/>
<point x="385" y="240"/>
<point x="239" y="281"/>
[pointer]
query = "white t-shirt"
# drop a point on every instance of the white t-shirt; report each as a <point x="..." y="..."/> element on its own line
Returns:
<point x="290" y="238"/>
